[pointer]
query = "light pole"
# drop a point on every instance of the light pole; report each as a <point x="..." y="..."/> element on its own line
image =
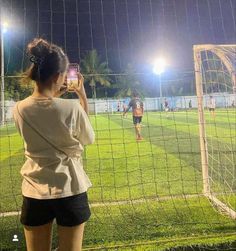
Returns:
<point x="158" y="68"/>
<point x="3" y="31"/>
<point x="160" y="86"/>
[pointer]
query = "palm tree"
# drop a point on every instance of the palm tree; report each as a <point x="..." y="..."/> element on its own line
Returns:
<point x="127" y="83"/>
<point x="176" y="90"/>
<point x="95" y="72"/>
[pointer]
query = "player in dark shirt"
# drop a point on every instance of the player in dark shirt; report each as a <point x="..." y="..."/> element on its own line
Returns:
<point x="137" y="109"/>
<point x="166" y="105"/>
<point x="118" y="106"/>
<point x="190" y="104"/>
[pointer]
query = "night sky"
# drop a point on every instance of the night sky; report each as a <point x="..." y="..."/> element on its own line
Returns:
<point x="122" y="31"/>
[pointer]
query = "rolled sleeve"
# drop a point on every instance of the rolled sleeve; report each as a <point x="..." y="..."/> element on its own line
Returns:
<point x="15" y="118"/>
<point x="85" y="132"/>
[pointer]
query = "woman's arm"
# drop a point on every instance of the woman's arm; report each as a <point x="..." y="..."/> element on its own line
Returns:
<point x="80" y="91"/>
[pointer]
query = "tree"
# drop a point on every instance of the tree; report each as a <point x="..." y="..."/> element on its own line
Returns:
<point x="95" y="72"/>
<point x="18" y="87"/>
<point x="127" y="83"/>
<point x="176" y="90"/>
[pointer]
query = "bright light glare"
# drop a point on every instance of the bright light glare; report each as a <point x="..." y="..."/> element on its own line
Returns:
<point x="4" y="27"/>
<point x="159" y="66"/>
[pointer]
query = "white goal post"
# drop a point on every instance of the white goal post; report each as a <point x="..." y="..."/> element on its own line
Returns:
<point x="226" y="57"/>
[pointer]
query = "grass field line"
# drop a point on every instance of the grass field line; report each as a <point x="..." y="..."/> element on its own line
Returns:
<point x="123" y="202"/>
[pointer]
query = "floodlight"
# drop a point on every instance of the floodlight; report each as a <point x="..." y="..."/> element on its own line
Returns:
<point x="159" y="66"/>
<point x="4" y="27"/>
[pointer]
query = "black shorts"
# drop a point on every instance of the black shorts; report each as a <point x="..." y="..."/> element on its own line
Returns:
<point x="211" y="109"/>
<point x="69" y="211"/>
<point x="137" y="120"/>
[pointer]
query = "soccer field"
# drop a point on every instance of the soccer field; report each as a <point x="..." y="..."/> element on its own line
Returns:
<point x="144" y="190"/>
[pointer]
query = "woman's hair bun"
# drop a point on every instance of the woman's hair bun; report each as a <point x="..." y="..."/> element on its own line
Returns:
<point x="47" y="60"/>
<point x="39" y="48"/>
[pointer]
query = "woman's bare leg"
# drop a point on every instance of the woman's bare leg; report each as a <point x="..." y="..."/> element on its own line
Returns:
<point x="70" y="238"/>
<point x="38" y="238"/>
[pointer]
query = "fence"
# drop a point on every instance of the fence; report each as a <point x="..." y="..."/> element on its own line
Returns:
<point x="150" y="104"/>
<point x="156" y="104"/>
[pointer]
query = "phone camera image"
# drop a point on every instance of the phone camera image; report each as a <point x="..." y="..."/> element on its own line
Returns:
<point x="72" y="77"/>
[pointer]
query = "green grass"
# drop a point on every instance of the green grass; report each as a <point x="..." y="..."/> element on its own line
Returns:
<point x="157" y="223"/>
<point x="164" y="165"/>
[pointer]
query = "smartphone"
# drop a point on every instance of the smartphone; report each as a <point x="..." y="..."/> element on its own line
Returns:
<point x="72" y="76"/>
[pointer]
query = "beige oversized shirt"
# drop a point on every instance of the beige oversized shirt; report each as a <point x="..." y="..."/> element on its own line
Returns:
<point x="47" y="172"/>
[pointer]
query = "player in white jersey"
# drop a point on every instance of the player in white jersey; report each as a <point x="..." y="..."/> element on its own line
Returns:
<point x="212" y="106"/>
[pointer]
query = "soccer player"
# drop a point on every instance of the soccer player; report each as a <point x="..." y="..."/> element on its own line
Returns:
<point x="166" y="107"/>
<point x="137" y="110"/>
<point x="212" y="106"/>
<point x="233" y="104"/>
<point x="124" y="109"/>
<point x="190" y="104"/>
<point x="118" y="106"/>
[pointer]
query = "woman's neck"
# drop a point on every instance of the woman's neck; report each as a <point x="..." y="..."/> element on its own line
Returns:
<point x="47" y="92"/>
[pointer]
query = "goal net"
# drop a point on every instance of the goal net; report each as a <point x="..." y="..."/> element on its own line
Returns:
<point x="215" y="73"/>
<point x="158" y="193"/>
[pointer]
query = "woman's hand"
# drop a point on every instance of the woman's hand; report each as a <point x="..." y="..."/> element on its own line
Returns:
<point x="80" y="91"/>
<point x="80" y="87"/>
<point x="62" y="90"/>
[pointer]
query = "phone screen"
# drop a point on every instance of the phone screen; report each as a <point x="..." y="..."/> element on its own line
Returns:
<point x="72" y="76"/>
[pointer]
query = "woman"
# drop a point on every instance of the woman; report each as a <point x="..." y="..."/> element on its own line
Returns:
<point x="54" y="132"/>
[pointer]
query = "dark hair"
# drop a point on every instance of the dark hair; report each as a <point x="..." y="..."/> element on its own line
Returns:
<point x="47" y="60"/>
